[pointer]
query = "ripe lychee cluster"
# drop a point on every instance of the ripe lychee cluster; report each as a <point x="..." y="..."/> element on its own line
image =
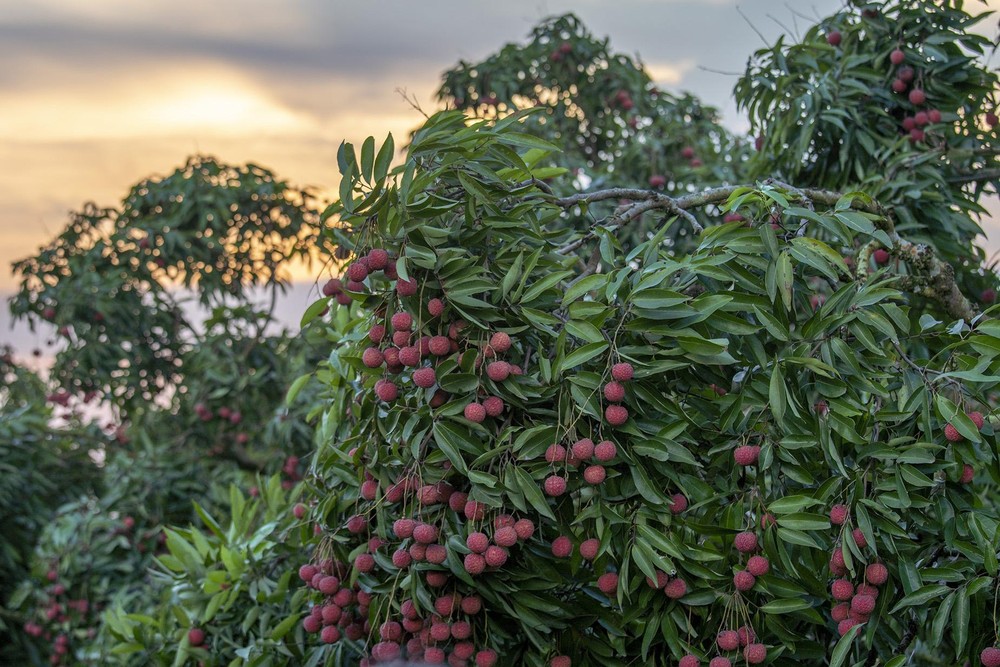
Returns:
<point x="498" y="371"/>
<point x="913" y="125"/>
<point x="728" y="641"/>
<point x="673" y="587"/>
<point x="951" y="433"/>
<point x="614" y="392"/>
<point x="581" y="452"/>
<point x="852" y="604"/>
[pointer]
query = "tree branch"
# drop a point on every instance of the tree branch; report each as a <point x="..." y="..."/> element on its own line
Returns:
<point x="977" y="176"/>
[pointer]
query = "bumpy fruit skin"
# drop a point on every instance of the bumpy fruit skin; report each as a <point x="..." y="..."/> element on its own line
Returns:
<point x="614" y="392"/>
<point x="555" y="485"/>
<point x="838" y="514"/>
<point x="990" y="657"/>
<point x="583" y="449"/>
<point x="505" y="537"/>
<point x="744" y="581"/>
<point x="859" y="538"/>
<point x="474" y="563"/>
<point x="435" y="307"/>
<point x="678" y="503"/>
<point x="493" y="406"/>
<point x="758" y="566"/>
<point x="840" y="611"/>
<point x="589" y="548"/>
<point x="745" y="542"/>
<point x="498" y="371"/>
<point x="897" y="57"/>
<point x="424" y="378"/>
<point x="877" y="574"/>
<point x="862" y="604"/>
<point x="968" y="474"/>
<point x="477" y="542"/>
<point x="562" y="547"/>
<point x="675" y="589"/>
<point x="845" y="626"/>
<point x="977" y="419"/>
<point x="755" y="653"/>
<point x="196" y="636"/>
<point x="917" y="96"/>
<point x="622" y="372"/>
<point x="608" y="583"/>
<point x="689" y="661"/>
<point x="486" y="658"/>
<point x="881" y="257"/>
<point x="719" y="661"/>
<point x="951" y="434"/>
<point x="842" y="590"/>
<point x="605" y="451"/>
<point x="616" y="415"/>
<point x="524" y="528"/>
<point x="475" y="412"/>
<point x="561" y="661"/>
<point x="746" y="455"/>
<point x="728" y="640"/>
<point x="500" y="342"/>
<point x="595" y="474"/>
<point x="386" y="391"/>
<point x="495" y="556"/>
<point x="555" y="453"/>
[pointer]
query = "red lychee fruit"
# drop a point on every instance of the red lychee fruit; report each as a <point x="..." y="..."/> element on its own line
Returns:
<point x="934" y="116"/>
<point x="196" y="636"/>
<point x="920" y="119"/>
<point x="990" y="657"/>
<point x="409" y="356"/>
<point x="834" y="38"/>
<point x="594" y="474"/>
<point x="862" y="604"/>
<point x="364" y="563"/>
<point x="977" y="419"/>
<point x="439" y="346"/>
<point x="424" y="377"/>
<point x="561" y="661"/>
<point x="555" y="485"/>
<point x="687" y="152"/>
<point x="474" y="510"/>
<point x="881" y="257"/>
<point x="897" y="57"/>
<point x="746" y="455"/>
<point x="486" y="658"/>
<point x="662" y="579"/>
<point x="951" y="433"/>
<point x="657" y="181"/>
<point x="555" y="453"/>
<point x="386" y="391"/>
<point x="329" y="585"/>
<point x="758" y="566"/>
<point x="614" y="392"/>
<point x="378" y="259"/>
<point x="475" y="412"/>
<point x="583" y="449"/>
<point x="859" y="538"/>
<point x="876" y="574"/>
<point x="840" y="611"/>
<point x="968" y="474"/>
<point x="307" y="572"/>
<point x="744" y="581"/>
<point x="562" y="547"/>
<point x="357" y="524"/>
<point x="906" y="74"/>
<point x="917" y="96"/>
<point x="436" y="554"/>
<point x="401" y="558"/>
<point x="498" y="371"/>
<point x="524" y="528"/>
<point x="506" y="536"/>
<point x="425" y="533"/>
<point x="845" y="626"/>
<point x="755" y="653"/>
<point x="406" y="287"/>
<point x="866" y="589"/>
<point x="675" y="589"/>
<point x="474" y="563"/>
<point x="689" y="661"/>
<point x="403" y="528"/>
<point x="435" y="307"/>
<point x="616" y="415"/>
<point x="745" y="542"/>
<point x="622" y="372"/>
<point x="728" y="640"/>
<point x="391" y="631"/>
<point x="500" y="342"/>
<point x="605" y="451"/>
<point x="608" y="583"/>
<point x="842" y="590"/>
<point x="838" y="514"/>
<point x="589" y="548"/>
<point x="746" y="635"/>
<point x="477" y="542"/>
<point x="493" y="406"/>
<point x="358" y="271"/>
<point x="898" y="85"/>
<point x="719" y="661"/>
<point x="837" y="564"/>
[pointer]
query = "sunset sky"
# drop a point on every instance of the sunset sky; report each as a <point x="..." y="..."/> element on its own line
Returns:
<point x="96" y="94"/>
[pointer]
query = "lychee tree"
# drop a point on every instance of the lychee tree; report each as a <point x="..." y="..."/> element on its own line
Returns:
<point x="553" y="444"/>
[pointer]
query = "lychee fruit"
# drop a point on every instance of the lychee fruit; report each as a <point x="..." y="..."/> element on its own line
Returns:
<point x="196" y="636"/>
<point x="876" y="574"/>
<point x="838" y="514"/>
<point x="505" y="537"/>
<point x="662" y="579"/>
<point x="474" y="563"/>
<point x="677" y="503"/>
<point x="834" y="38"/>
<point x="477" y="542"/>
<point x="608" y="583"/>
<point x="498" y="371"/>
<point x="842" y="590"/>
<point x="746" y="455"/>
<point x="403" y="528"/>
<point x="406" y="287"/>
<point x="881" y="256"/>
<point x="845" y="626"/>
<point x="689" y="661"/>
<point x="977" y="419"/>
<point x="859" y="538"/>
<point x="555" y="453"/>
<point x="951" y="433"/>
<point x="622" y="372"/>
<point x="493" y="406"/>
<point x="555" y="485"/>
<point x="562" y="547"/>
<point x="500" y="342"/>
<point x="475" y="412"/>
<point x="917" y="96"/>
<point x="372" y="357"/>
<point x="583" y="449"/>
<point x="561" y="661"/>
<point x="990" y="657"/>
<point x="755" y="653"/>
<point x="386" y="391"/>
<point x="746" y="635"/>
<point x="424" y="377"/>
<point x="439" y="346"/>
<point x="719" y="661"/>
<point x="486" y="658"/>
<point x="744" y="581"/>
<point x="862" y="604"/>
<point x="594" y="474"/>
<point x="589" y="548"/>
<point x="614" y="392"/>
<point x="728" y="640"/>
<point x="402" y="322"/>
<point x="524" y="528"/>
<point x="840" y="611"/>
<point x="675" y="589"/>
<point x="616" y="415"/>
<point x="364" y="563"/>
<point x="968" y="474"/>
<point x="897" y="57"/>
<point x="425" y="533"/>
<point x="758" y="566"/>
<point x="745" y="542"/>
<point x="605" y="451"/>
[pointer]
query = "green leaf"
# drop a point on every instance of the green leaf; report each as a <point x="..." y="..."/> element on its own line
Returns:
<point x="843" y="646"/>
<point x="785" y="606"/>
<point x="282" y="628"/>
<point x="533" y="493"/>
<point x="384" y="159"/>
<point x="920" y="596"/>
<point x="581" y="355"/>
<point x="296" y="387"/>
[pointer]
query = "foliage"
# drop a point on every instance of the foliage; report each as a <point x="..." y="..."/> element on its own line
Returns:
<point x="917" y="135"/>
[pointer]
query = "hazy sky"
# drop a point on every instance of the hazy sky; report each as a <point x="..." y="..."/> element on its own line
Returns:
<point x="96" y="94"/>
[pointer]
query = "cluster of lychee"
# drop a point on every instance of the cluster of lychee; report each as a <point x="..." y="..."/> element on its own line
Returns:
<point x="615" y="413"/>
<point x="498" y="371"/>
<point x="728" y="641"/>
<point x="57" y="613"/>
<point x="756" y="565"/>
<point x="916" y="123"/>
<point x="484" y="553"/>
<point x="852" y="605"/>
<point x="377" y="260"/>
<point x="581" y="451"/>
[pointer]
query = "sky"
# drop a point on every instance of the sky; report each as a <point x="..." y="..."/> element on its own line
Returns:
<point x="97" y="94"/>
